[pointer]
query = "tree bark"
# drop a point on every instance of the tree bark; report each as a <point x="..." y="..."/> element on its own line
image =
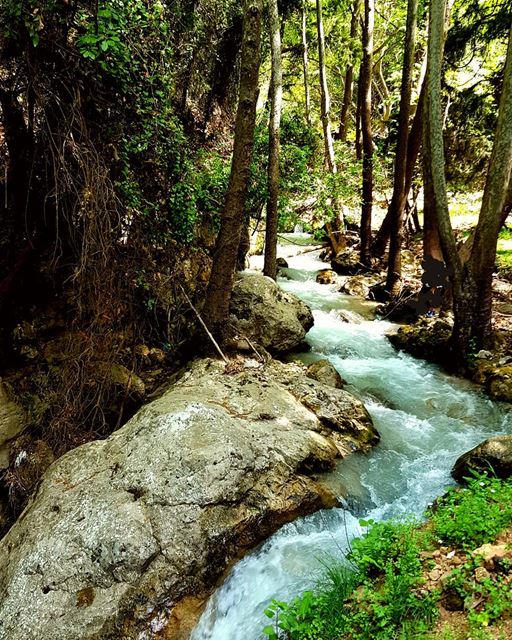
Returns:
<point x="479" y="269"/>
<point x="366" y="121"/>
<point x="472" y="281"/>
<point x="398" y="200"/>
<point x="330" y="161"/>
<point x="349" y="77"/>
<point x="305" y="71"/>
<point x="413" y="150"/>
<point x="276" y="83"/>
<point x="383" y="93"/>
<point x="358" y="145"/>
<point x="431" y="241"/>
<point x="216" y="307"/>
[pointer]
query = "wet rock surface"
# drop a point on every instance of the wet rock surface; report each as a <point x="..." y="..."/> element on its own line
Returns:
<point x="324" y="371"/>
<point x="427" y="338"/>
<point x="125" y="537"/>
<point x="493" y="456"/>
<point x="326" y="276"/>
<point x="268" y="316"/>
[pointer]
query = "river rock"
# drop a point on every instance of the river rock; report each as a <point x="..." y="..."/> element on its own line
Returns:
<point x="281" y="263"/>
<point x="428" y="339"/>
<point x="493" y="455"/>
<point x="264" y="313"/>
<point x="496" y="377"/>
<point x="126" y="537"/>
<point x="326" y="276"/>
<point x="346" y="263"/>
<point x="359" y="285"/>
<point x="325" y="372"/>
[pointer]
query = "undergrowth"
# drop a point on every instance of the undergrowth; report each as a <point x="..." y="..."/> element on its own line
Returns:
<point x="379" y="591"/>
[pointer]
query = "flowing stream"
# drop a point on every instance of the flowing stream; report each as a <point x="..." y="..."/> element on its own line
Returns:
<point x="426" y="420"/>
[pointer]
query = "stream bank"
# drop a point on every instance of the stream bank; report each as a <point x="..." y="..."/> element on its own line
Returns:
<point x="125" y="537"/>
<point x="426" y="419"/>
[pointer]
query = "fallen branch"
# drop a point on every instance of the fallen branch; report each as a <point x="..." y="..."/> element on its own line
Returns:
<point x="251" y="345"/>
<point x="203" y="324"/>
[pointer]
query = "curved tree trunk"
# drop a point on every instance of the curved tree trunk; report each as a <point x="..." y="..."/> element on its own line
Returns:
<point x="383" y="93"/>
<point x="366" y="122"/>
<point x="216" y="308"/>
<point x="398" y="200"/>
<point x="276" y="84"/>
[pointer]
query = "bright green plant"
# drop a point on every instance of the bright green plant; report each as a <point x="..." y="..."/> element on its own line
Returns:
<point x="474" y="515"/>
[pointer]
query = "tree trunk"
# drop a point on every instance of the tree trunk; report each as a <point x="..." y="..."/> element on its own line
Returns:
<point x="383" y="93"/>
<point x="472" y="281"/>
<point x="413" y="150"/>
<point x="398" y="201"/>
<point x="330" y="161"/>
<point x="276" y="83"/>
<point x="349" y="77"/>
<point x="467" y="246"/>
<point x="366" y="121"/>
<point x="431" y="241"/>
<point x="358" y="145"/>
<point x="481" y="264"/>
<point x="216" y="307"/>
<point x="307" y="97"/>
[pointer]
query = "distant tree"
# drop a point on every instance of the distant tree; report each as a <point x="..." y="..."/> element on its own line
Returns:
<point x="325" y="107"/>
<point x="349" y="76"/>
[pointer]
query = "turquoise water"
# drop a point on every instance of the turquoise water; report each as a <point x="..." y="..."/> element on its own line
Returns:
<point x="426" y="420"/>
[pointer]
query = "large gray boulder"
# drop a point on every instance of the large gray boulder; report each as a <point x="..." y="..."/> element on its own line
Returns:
<point x="126" y="537"/>
<point x="494" y="455"/>
<point x="264" y="313"/>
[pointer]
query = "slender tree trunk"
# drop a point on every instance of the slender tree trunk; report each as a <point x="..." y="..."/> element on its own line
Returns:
<point x="330" y="161"/>
<point x="413" y="150"/>
<point x="398" y="201"/>
<point x="307" y="96"/>
<point x="431" y="241"/>
<point x="358" y="144"/>
<point x="433" y="127"/>
<point x="366" y="120"/>
<point x="276" y="81"/>
<point x="384" y="94"/>
<point x="216" y="308"/>
<point x="349" y="77"/>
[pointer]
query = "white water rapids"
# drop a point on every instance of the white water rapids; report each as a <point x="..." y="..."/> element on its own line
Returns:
<point x="426" y="420"/>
